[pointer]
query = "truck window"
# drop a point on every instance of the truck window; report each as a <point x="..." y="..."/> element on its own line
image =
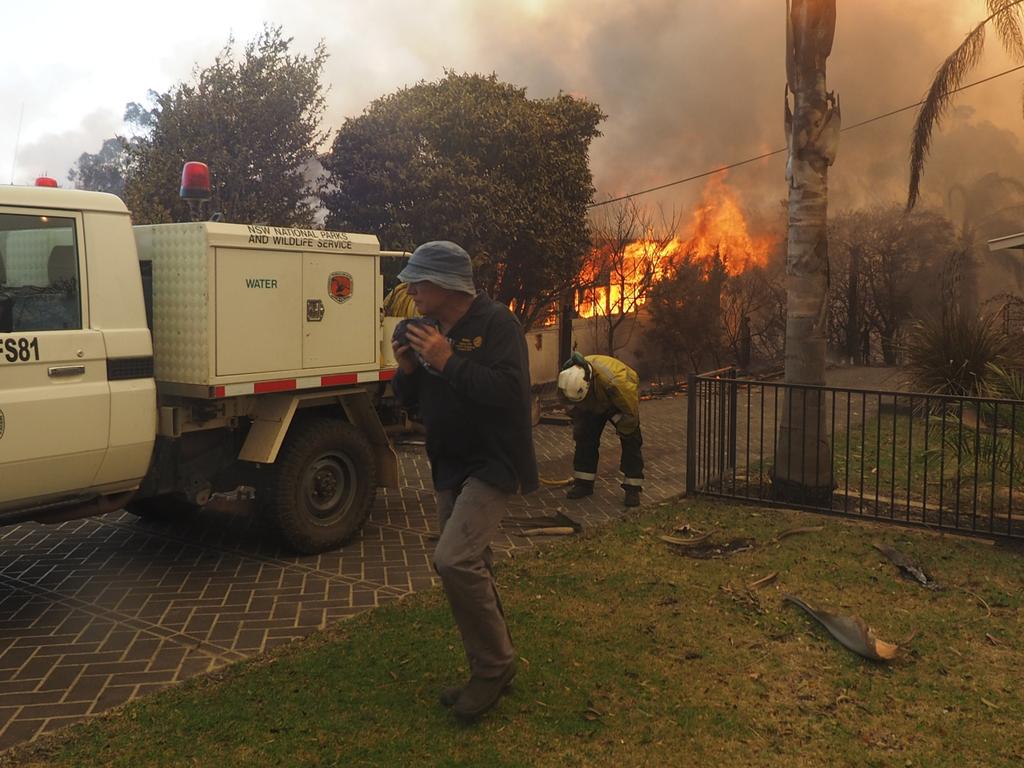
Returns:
<point x="39" y="285"/>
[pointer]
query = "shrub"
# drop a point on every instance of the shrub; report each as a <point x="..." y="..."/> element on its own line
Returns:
<point x="956" y="354"/>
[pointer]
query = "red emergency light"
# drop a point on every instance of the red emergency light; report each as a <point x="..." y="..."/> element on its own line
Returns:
<point x="195" y="181"/>
<point x="46" y="181"/>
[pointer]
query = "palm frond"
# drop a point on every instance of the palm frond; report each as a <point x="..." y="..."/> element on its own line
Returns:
<point x="990" y="433"/>
<point x="1005" y="383"/>
<point x="1007" y="16"/>
<point x="950" y="75"/>
<point x="972" y="447"/>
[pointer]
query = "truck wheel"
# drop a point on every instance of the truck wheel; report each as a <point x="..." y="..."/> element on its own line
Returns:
<point x="322" y="485"/>
<point x="160" y="508"/>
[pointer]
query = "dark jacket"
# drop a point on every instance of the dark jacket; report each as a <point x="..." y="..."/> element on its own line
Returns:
<point x="477" y="410"/>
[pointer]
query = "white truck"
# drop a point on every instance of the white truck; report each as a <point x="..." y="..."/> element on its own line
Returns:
<point x="149" y="367"/>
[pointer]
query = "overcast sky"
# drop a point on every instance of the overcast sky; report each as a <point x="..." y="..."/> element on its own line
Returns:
<point x="687" y="84"/>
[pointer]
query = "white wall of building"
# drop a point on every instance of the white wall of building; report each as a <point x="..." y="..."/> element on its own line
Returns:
<point x="589" y="337"/>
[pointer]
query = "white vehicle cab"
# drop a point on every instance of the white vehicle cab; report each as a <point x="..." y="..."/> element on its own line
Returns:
<point x="151" y="366"/>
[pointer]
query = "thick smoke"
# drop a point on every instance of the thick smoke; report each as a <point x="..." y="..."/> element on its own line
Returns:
<point x="687" y="86"/>
<point x="690" y="86"/>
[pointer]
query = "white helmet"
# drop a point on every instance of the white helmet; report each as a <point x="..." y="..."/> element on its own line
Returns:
<point x="574" y="383"/>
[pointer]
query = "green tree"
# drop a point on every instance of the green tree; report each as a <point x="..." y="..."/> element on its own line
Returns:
<point x="1008" y="18"/>
<point x="255" y="122"/>
<point x="103" y="171"/>
<point x="472" y="159"/>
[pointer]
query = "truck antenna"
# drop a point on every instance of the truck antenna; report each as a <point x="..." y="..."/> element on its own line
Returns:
<point x="17" y="141"/>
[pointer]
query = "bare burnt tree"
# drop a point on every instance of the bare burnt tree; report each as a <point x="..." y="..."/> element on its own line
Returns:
<point x="753" y="316"/>
<point x="847" y="323"/>
<point x="886" y="265"/>
<point x="632" y="249"/>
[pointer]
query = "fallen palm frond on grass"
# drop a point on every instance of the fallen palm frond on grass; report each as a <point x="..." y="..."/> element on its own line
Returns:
<point x="703" y="547"/>
<point x="907" y="566"/>
<point x="850" y="631"/>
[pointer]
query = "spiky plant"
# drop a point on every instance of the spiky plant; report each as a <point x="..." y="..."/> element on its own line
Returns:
<point x="993" y="438"/>
<point x="1008" y="18"/>
<point x="957" y="354"/>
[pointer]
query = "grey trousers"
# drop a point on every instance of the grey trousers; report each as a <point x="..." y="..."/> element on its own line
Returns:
<point x="469" y="519"/>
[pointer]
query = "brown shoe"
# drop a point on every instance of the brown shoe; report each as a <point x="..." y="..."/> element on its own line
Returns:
<point x="449" y="696"/>
<point x="482" y="693"/>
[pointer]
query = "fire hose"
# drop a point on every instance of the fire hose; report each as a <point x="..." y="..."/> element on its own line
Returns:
<point x="556" y="483"/>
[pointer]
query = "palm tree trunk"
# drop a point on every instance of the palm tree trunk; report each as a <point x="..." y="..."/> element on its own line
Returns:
<point x="803" y="461"/>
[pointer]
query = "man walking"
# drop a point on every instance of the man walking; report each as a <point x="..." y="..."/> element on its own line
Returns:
<point x="602" y="389"/>
<point x="466" y="367"/>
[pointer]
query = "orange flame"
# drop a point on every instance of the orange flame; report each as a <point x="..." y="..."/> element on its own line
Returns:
<point x="717" y="223"/>
<point x="643" y="262"/>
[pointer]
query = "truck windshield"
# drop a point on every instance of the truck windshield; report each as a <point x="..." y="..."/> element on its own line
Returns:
<point x="39" y="285"/>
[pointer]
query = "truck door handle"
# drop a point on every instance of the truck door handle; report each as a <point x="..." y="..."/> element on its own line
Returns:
<point x="63" y="371"/>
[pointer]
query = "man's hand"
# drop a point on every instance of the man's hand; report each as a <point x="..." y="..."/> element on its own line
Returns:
<point x="430" y="344"/>
<point x="405" y="357"/>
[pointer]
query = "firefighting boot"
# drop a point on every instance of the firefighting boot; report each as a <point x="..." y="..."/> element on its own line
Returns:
<point x="580" y="489"/>
<point x="632" y="497"/>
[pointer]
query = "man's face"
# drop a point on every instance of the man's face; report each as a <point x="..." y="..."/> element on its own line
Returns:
<point x="428" y="298"/>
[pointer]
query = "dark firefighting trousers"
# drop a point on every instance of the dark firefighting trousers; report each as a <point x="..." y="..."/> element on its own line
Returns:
<point x="586" y="431"/>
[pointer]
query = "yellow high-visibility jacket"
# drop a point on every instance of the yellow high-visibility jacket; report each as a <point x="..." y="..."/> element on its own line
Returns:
<point x="398" y="303"/>
<point x="615" y="387"/>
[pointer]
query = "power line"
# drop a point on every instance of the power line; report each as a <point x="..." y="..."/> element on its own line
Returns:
<point x="721" y="168"/>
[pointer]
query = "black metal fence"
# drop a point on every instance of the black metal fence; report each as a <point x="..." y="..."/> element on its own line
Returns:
<point x="951" y="463"/>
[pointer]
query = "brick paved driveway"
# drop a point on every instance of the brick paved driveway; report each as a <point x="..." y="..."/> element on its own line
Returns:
<point x="97" y="612"/>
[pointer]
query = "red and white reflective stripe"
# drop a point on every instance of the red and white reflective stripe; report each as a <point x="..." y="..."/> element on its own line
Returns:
<point x="305" y="382"/>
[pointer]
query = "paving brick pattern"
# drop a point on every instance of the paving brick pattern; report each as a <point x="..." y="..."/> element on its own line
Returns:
<point x="96" y="612"/>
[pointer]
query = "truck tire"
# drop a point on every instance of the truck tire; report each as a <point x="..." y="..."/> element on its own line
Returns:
<point x="160" y="508"/>
<point x="321" y="488"/>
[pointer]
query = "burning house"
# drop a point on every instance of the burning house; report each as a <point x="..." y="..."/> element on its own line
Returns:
<point x="632" y="255"/>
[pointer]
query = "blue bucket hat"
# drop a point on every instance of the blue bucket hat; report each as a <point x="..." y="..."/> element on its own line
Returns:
<point x="443" y="263"/>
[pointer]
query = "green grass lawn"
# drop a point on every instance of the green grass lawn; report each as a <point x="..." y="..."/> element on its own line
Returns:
<point x="632" y="655"/>
<point x="895" y="464"/>
<point x="904" y="452"/>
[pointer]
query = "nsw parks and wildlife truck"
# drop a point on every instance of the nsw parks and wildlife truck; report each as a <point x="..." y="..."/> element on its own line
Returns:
<point x="149" y="367"/>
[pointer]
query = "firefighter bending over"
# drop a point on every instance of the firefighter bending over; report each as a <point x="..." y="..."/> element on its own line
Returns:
<point x="398" y="302"/>
<point x="600" y="389"/>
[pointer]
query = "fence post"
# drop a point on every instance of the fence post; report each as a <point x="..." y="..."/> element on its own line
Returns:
<point x="721" y="439"/>
<point x="733" y="428"/>
<point x="691" y="433"/>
